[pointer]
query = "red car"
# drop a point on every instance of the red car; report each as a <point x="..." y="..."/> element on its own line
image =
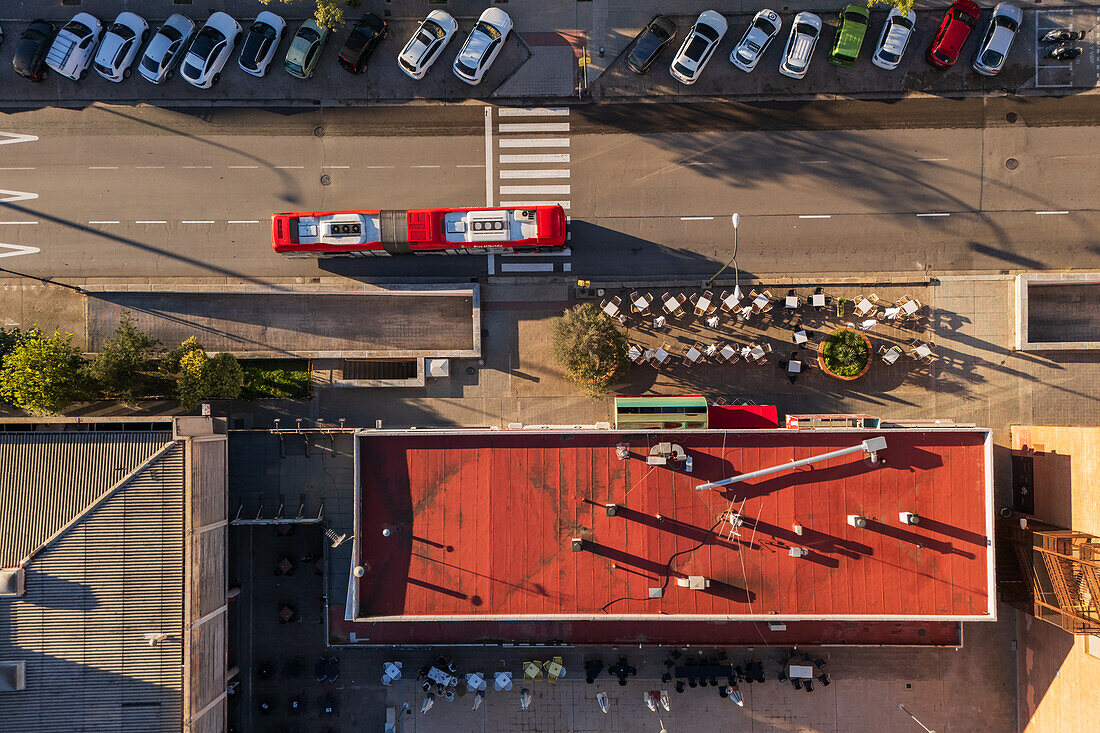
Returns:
<point x="954" y="30"/>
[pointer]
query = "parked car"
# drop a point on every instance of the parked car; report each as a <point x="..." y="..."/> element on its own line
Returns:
<point x="849" y="35"/>
<point x="805" y="30"/>
<point x="1003" y="27"/>
<point x="74" y="46"/>
<point x="954" y="30"/>
<point x="166" y="49"/>
<point x="648" y="45"/>
<point x="894" y="38"/>
<point x="210" y="50"/>
<point x="305" y="49"/>
<point x="482" y="45"/>
<point x="765" y="26"/>
<point x="698" y="47"/>
<point x="120" y="45"/>
<point x="365" y="36"/>
<point x="429" y="40"/>
<point x="261" y="43"/>
<point x="30" y="55"/>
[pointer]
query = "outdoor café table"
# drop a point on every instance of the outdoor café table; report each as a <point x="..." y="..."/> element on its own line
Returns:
<point x="393" y="671"/>
<point x="727" y="351"/>
<point x="475" y="682"/>
<point x="794" y="366"/>
<point x="633" y="353"/>
<point x="910" y="307"/>
<point x="891" y="355"/>
<point x="702" y="304"/>
<point x="731" y="301"/>
<point x="692" y="354"/>
<point x="791" y="301"/>
<point x="923" y="351"/>
<point x="660" y="356"/>
<point x="554" y="670"/>
<point x="761" y="301"/>
<point x="611" y="309"/>
<point x="756" y="352"/>
<point x="800" y="337"/>
<point x="818" y="300"/>
<point x="440" y="677"/>
<point x="641" y="303"/>
<point x="863" y="307"/>
<point x="672" y="305"/>
<point x="801" y="671"/>
<point x="892" y="312"/>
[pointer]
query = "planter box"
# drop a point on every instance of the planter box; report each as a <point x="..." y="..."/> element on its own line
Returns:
<point x="821" y="356"/>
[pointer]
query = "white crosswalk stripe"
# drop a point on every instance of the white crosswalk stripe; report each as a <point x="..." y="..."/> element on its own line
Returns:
<point x="533" y="112"/>
<point x="535" y="158"/>
<point x="535" y="173"/>
<point x="534" y="142"/>
<point x="527" y="127"/>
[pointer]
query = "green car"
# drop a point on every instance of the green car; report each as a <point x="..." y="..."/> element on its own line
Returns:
<point x="305" y="49"/>
<point x="849" y="35"/>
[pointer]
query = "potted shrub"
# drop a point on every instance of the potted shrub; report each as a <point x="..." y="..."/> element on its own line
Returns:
<point x="845" y="354"/>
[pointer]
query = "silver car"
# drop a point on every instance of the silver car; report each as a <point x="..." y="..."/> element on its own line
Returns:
<point x="1003" y="27"/>
<point x="164" y="52"/>
<point x="894" y="38"/>
<point x="765" y="26"/>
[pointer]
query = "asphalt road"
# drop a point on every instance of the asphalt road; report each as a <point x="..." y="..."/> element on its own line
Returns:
<point x="821" y="187"/>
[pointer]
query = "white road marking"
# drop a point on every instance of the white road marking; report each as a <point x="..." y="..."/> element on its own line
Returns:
<point x="696" y="218"/>
<point x="104" y="221"/>
<point x="535" y="158"/>
<point x="815" y="216"/>
<point x="16" y="223"/>
<point x="933" y="214"/>
<point x="488" y="156"/>
<point x="535" y="173"/>
<point x="242" y="167"/>
<point x="290" y="167"/>
<point x="378" y="167"/>
<point x="532" y="111"/>
<point x="535" y="190"/>
<point x="530" y="267"/>
<point x="334" y="167"/>
<point x="15" y="137"/>
<point x="151" y="221"/>
<point x="18" y="249"/>
<point x="813" y="162"/>
<point x="148" y="167"/>
<point x="103" y="167"/>
<point x="243" y="221"/>
<point x="534" y="142"/>
<point x="424" y="166"/>
<point x="474" y="165"/>
<point x="1045" y="213"/>
<point x="197" y="167"/>
<point x="13" y="196"/>
<point x="197" y="221"/>
<point x="930" y="160"/>
<point x="562" y="253"/>
<point x="16" y="169"/>
<point x="530" y="204"/>
<point x="533" y="127"/>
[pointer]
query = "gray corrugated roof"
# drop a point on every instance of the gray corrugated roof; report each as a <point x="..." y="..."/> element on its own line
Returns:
<point x="47" y="479"/>
<point x="91" y="596"/>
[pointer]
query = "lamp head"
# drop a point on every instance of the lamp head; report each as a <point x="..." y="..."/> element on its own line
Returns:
<point x="736" y="220"/>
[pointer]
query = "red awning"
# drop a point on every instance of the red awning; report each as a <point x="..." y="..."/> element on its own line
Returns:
<point x="742" y="416"/>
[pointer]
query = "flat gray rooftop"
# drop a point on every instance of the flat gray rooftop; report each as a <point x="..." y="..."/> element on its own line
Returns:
<point x="1069" y="312"/>
<point x="270" y="323"/>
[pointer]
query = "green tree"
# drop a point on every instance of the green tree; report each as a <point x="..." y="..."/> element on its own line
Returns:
<point x="903" y="5"/>
<point x="42" y="374"/>
<point x="122" y="364"/>
<point x="200" y="377"/>
<point x="590" y="348"/>
<point x="327" y="13"/>
<point x="9" y="339"/>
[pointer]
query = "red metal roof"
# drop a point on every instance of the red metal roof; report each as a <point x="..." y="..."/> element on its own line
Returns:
<point x="481" y="527"/>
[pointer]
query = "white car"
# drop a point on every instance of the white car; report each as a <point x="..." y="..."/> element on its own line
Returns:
<point x="422" y="50"/>
<point x="211" y="49"/>
<point x="261" y="43"/>
<point x="894" y="38"/>
<point x="166" y="49"/>
<point x="120" y="45"/>
<point x="765" y="26"/>
<point x="698" y="47"/>
<point x="74" y="46"/>
<point x="805" y="30"/>
<point x="482" y="45"/>
<point x="1003" y="27"/>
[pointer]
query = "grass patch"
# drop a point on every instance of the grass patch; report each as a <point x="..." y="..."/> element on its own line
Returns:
<point x="285" y="378"/>
<point x="845" y="353"/>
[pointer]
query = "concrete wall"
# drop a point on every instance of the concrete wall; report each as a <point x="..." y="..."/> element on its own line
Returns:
<point x="1057" y="673"/>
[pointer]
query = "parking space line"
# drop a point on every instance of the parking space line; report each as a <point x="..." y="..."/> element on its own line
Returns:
<point x="526" y="204"/>
<point x="813" y="162"/>
<point x="527" y="267"/>
<point x="534" y="142"/>
<point x="535" y="173"/>
<point x="471" y="165"/>
<point x="815" y="216"/>
<point x="533" y="127"/>
<point x="535" y="158"/>
<point x="492" y="264"/>
<point x="532" y="111"/>
<point x="535" y="190"/>
<point x="338" y="167"/>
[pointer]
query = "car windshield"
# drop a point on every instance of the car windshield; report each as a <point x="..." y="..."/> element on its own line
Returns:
<point x="706" y="32"/>
<point x="262" y="29"/>
<point x="992" y="58"/>
<point x="764" y="25"/>
<point x="805" y="29"/>
<point x="487" y="29"/>
<point x="205" y="42"/>
<point x="433" y="28"/>
<point x="309" y="35"/>
<point x="683" y="70"/>
<point x="964" y="17"/>
<point x="122" y="31"/>
<point x="647" y="44"/>
<point x="903" y="22"/>
<point x="170" y="33"/>
<point x="696" y="48"/>
<point x="78" y="29"/>
<point x="1005" y="22"/>
<point x="857" y="17"/>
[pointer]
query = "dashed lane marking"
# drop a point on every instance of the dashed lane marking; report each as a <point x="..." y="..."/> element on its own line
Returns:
<point x="17" y="223"/>
<point x="696" y="218"/>
<point x="815" y="216"/>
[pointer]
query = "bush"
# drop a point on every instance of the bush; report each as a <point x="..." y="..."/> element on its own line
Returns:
<point x="286" y="378"/>
<point x="845" y="353"/>
<point x="123" y="365"/>
<point x="200" y="377"/>
<point x="590" y="348"/>
<point x="42" y="375"/>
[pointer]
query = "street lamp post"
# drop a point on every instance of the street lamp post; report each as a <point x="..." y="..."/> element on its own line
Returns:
<point x="736" y="219"/>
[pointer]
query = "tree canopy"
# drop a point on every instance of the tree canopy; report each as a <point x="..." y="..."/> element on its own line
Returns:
<point x="42" y="374"/>
<point x="590" y="348"/>
<point x="903" y="5"/>
<point x="327" y="13"/>
<point x="121" y="365"/>
<point x="200" y="377"/>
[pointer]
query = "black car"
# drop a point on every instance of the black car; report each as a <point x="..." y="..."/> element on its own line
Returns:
<point x="30" y="54"/>
<point x="362" y="41"/>
<point x="650" y="42"/>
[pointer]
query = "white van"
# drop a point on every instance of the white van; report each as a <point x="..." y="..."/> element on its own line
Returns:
<point x="74" y="46"/>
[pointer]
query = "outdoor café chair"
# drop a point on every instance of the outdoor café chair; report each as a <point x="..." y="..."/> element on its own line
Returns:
<point x="637" y="354"/>
<point x="639" y="303"/>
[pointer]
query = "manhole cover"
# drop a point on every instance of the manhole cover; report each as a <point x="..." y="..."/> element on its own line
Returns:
<point x="1012" y="164"/>
<point x="319" y="131"/>
<point x="326" y="179"/>
<point x="470" y="370"/>
<point x="1012" y="117"/>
